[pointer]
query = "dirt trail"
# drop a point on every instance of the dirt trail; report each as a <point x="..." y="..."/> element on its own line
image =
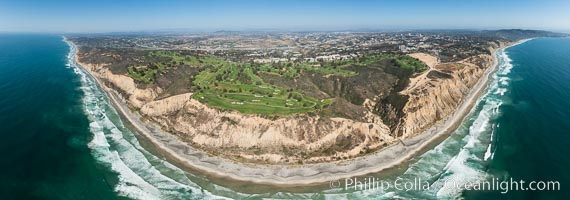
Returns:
<point x="430" y="61"/>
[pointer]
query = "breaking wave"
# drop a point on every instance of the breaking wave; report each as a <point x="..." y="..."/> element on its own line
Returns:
<point x="476" y="148"/>
<point x="141" y="175"/>
<point x="462" y="157"/>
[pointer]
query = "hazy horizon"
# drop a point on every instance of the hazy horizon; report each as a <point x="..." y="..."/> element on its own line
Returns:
<point x="65" y="16"/>
<point x="182" y="31"/>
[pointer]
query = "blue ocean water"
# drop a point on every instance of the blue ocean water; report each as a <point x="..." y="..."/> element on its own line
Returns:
<point x="518" y="130"/>
<point x="62" y="139"/>
<point x="43" y="130"/>
<point x="533" y="129"/>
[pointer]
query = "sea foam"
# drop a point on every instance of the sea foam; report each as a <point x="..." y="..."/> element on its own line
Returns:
<point x="138" y="178"/>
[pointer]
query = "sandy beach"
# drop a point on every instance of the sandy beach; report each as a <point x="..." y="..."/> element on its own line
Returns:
<point x="298" y="174"/>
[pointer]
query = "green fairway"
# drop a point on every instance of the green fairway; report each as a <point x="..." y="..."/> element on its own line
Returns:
<point x="236" y="86"/>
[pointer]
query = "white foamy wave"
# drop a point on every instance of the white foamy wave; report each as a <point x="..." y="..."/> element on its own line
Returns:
<point x="462" y="157"/>
<point x="460" y="169"/>
<point x="506" y="67"/>
<point x="466" y="166"/>
<point x="130" y="184"/>
<point x="116" y="147"/>
<point x="488" y="153"/>
<point x="504" y="80"/>
<point x="98" y="136"/>
<point x="458" y="173"/>
<point x="497" y="109"/>
<point x="500" y="91"/>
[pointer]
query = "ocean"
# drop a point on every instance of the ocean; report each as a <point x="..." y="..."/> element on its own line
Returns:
<point x="43" y="129"/>
<point x="533" y="129"/>
<point x="62" y="139"/>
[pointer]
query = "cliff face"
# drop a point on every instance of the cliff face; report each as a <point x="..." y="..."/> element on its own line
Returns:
<point x="431" y="97"/>
<point x="250" y="138"/>
<point x="432" y="102"/>
<point x="124" y="85"/>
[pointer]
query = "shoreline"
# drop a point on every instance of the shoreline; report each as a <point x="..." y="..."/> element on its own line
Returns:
<point x="306" y="174"/>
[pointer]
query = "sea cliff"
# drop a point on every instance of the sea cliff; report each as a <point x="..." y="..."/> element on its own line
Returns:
<point x="303" y="138"/>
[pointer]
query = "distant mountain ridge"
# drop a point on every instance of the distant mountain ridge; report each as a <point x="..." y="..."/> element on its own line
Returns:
<point x="518" y="34"/>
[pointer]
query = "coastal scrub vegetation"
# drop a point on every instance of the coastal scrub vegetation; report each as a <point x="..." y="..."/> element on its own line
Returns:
<point x="229" y="85"/>
<point x="279" y="88"/>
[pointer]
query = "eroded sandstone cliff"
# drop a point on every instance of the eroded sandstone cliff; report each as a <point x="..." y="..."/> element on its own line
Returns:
<point x="437" y="95"/>
<point x="303" y="137"/>
<point x="438" y="98"/>
<point x="252" y="138"/>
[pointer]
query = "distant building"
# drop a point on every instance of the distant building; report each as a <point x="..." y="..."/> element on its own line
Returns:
<point x="403" y="48"/>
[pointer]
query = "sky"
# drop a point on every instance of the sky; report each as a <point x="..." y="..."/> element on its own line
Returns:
<point x="212" y="15"/>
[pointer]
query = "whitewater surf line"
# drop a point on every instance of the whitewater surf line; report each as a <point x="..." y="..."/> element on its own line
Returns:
<point x="115" y="147"/>
<point x="470" y="163"/>
<point x="464" y="155"/>
<point x="304" y="174"/>
<point x="417" y="143"/>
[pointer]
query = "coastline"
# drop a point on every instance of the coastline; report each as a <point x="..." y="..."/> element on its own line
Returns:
<point x="303" y="174"/>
